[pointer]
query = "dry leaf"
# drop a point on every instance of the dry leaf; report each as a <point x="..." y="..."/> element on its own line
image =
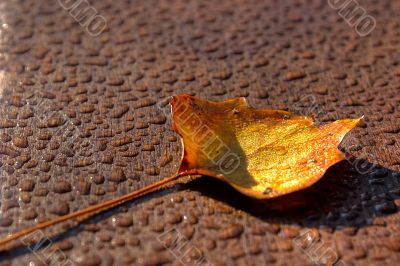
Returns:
<point x="261" y="153"/>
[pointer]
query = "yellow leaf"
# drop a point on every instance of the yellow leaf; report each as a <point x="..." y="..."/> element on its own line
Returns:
<point x="261" y="153"/>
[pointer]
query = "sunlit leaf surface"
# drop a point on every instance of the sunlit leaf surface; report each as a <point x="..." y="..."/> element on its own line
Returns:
<point x="262" y="153"/>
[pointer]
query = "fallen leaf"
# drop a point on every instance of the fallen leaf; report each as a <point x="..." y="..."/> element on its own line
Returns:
<point x="261" y="153"/>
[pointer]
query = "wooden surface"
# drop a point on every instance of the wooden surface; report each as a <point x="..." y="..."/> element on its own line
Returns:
<point x="82" y="120"/>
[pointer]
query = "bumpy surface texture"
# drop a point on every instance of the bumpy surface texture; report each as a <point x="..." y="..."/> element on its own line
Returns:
<point x="82" y="120"/>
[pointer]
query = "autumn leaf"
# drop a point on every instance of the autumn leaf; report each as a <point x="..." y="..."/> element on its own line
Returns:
<point x="261" y="153"/>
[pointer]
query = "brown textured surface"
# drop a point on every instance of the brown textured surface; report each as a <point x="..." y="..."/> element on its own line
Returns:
<point x="79" y="124"/>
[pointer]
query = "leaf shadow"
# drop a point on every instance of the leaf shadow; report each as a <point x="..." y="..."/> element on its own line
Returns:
<point x="344" y="197"/>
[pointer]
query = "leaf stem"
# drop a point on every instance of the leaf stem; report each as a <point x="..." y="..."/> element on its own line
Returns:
<point x="92" y="210"/>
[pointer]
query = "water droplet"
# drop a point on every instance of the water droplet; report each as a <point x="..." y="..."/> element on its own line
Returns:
<point x="267" y="190"/>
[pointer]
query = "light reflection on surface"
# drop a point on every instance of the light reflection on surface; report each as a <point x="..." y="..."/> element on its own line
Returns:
<point x="4" y="80"/>
<point x="5" y="77"/>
